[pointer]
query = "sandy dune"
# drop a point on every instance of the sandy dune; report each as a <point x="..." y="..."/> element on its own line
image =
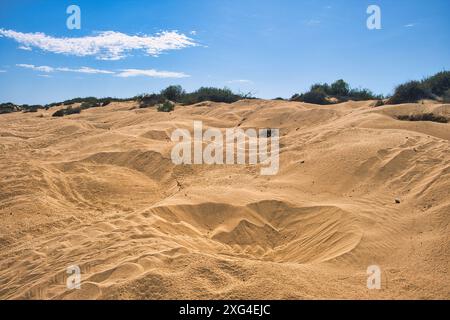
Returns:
<point x="99" y="190"/>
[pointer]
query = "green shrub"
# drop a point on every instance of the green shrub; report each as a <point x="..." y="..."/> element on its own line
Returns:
<point x="320" y="93"/>
<point x="438" y="84"/>
<point x="363" y="95"/>
<point x="90" y="100"/>
<point x="30" y="108"/>
<point x="409" y="92"/>
<point x="80" y="100"/>
<point x="313" y="96"/>
<point x="321" y="87"/>
<point x="166" y="107"/>
<point x="339" y="88"/>
<point x="71" y="110"/>
<point x="150" y="100"/>
<point x="8" y="108"/>
<point x="429" y="88"/>
<point x="59" y="113"/>
<point x="379" y="103"/>
<point x="446" y="96"/>
<point x="173" y="93"/>
<point x="423" y="117"/>
<point x="212" y="94"/>
<point x="104" y="103"/>
<point x="67" y="111"/>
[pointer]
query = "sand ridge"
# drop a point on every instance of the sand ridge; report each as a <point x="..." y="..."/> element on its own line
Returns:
<point x="99" y="190"/>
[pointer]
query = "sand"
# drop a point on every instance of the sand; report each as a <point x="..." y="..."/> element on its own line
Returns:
<point x="100" y="191"/>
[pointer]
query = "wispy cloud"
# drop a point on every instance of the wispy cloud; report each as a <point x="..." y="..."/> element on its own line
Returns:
<point x="241" y="81"/>
<point x="409" y="25"/>
<point x="36" y="68"/>
<point x="312" y="22"/>
<point x="126" y="73"/>
<point x="2" y="71"/>
<point x="64" y="69"/>
<point x="109" y="45"/>
<point x="86" y="70"/>
<point x="25" y="48"/>
<point x="44" y="75"/>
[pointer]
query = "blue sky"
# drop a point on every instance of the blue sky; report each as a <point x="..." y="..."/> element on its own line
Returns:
<point x="269" y="47"/>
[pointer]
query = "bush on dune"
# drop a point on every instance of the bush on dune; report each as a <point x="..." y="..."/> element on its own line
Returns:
<point x="88" y="105"/>
<point x="339" y="91"/>
<point x="150" y="100"/>
<point x="67" y="111"/>
<point x="409" y="92"/>
<point x="446" y="96"/>
<point x="315" y="96"/>
<point x="435" y="87"/>
<point x="166" y="107"/>
<point x="339" y="88"/>
<point x="178" y="95"/>
<point x="173" y="93"/>
<point x="8" y="107"/>
<point x="59" y="113"/>
<point x="32" y="108"/>
<point x="438" y="84"/>
<point x="224" y="95"/>
<point x="423" y="117"/>
<point x="25" y="108"/>
<point x="363" y="94"/>
<point x="90" y="101"/>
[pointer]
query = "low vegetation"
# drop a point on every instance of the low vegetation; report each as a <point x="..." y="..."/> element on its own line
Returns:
<point x="409" y="92"/>
<point x="435" y="87"/>
<point x="177" y="94"/>
<point x="99" y="102"/>
<point x="11" y="107"/>
<point x="166" y="107"/>
<point x="213" y="94"/>
<point x="423" y="117"/>
<point x="67" y="111"/>
<point x="8" y="108"/>
<point x="338" y="91"/>
<point x="150" y="100"/>
<point x="446" y="96"/>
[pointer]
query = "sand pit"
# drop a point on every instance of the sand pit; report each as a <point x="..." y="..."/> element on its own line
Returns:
<point x="355" y="187"/>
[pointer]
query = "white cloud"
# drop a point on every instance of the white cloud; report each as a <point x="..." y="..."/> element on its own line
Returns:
<point x="242" y="81"/>
<point x="108" y="45"/>
<point x="2" y="71"/>
<point x="126" y="73"/>
<point x="85" y="70"/>
<point x="312" y="22"/>
<point x="25" y="48"/>
<point x="36" y="68"/>
<point x="44" y="75"/>
<point x="409" y="25"/>
<point x="63" y="69"/>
